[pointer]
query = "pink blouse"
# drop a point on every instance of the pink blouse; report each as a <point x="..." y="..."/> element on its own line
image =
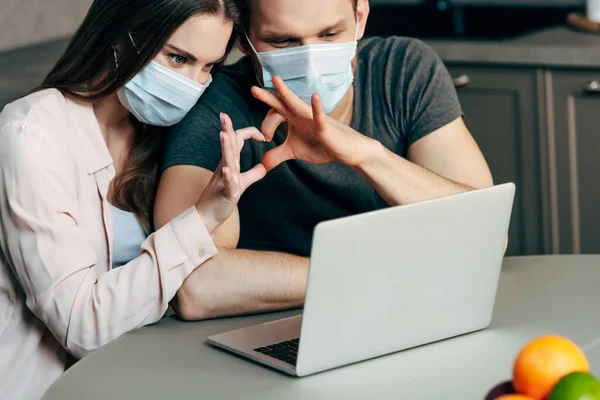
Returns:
<point x="57" y="289"/>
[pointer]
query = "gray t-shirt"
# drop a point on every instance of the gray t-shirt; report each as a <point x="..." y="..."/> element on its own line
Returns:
<point x="402" y="93"/>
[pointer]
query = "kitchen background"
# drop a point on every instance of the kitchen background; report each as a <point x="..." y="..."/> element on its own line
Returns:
<point x="529" y="84"/>
<point x="24" y="22"/>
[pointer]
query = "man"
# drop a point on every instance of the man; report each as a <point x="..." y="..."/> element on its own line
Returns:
<point x="393" y="135"/>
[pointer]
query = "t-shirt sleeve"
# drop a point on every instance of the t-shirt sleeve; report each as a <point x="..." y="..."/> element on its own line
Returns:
<point x="429" y="99"/>
<point x="195" y="140"/>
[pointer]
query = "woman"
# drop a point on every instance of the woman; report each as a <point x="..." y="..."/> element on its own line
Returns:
<point x="78" y="166"/>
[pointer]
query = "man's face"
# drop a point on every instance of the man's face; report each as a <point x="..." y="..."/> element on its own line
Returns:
<point x="281" y="24"/>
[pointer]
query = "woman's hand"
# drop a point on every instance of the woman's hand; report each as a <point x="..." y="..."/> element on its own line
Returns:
<point x="227" y="184"/>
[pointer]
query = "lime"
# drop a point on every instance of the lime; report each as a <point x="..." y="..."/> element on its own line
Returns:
<point x="576" y="386"/>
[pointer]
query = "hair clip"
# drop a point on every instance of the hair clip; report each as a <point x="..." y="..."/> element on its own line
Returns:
<point x="133" y="43"/>
<point x="115" y="54"/>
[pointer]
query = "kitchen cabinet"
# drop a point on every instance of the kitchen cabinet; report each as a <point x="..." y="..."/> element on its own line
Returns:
<point x="574" y="111"/>
<point x="538" y="128"/>
<point x="501" y="112"/>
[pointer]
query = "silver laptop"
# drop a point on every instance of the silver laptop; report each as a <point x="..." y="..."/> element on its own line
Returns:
<point x="387" y="281"/>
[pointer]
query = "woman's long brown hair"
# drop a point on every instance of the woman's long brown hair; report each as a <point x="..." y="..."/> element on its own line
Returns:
<point x="88" y="72"/>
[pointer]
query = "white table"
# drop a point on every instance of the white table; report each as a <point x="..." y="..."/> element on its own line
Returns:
<point x="171" y="360"/>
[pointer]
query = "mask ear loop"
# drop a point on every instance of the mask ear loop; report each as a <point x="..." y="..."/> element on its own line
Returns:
<point x="250" y="43"/>
<point x="257" y="64"/>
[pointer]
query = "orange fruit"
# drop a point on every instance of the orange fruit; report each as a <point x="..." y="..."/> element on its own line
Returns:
<point x="543" y="362"/>
<point x="514" y="397"/>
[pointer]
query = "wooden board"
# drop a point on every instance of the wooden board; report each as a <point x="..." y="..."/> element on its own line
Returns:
<point x="580" y="21"/>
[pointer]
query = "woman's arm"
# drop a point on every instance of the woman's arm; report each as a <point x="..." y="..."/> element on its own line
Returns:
<point x="53" y="259"/>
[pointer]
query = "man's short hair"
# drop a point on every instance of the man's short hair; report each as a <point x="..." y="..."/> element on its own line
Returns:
<point x="245" y="6"/>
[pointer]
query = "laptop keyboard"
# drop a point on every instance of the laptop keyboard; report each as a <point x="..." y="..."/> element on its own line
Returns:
<point x="285" y="351"/>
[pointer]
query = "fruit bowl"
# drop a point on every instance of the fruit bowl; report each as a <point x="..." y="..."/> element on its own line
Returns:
<point x="500" y="389"/>
<point x="549" y="367"/>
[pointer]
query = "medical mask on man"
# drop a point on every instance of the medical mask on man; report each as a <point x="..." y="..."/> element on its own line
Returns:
<point x="159" y="96"/>
<point x="325" y="69"/>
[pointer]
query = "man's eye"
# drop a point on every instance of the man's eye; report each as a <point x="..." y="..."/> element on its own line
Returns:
<point x="330" y="35"/>
<point x="177" y="59"/>
<point x="280" y="42"/>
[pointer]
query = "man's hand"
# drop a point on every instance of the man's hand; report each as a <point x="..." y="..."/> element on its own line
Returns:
<point x="312" y="135"/>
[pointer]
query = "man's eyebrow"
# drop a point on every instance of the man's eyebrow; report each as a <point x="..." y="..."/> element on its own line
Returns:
<point x="279" y="36"/>
<point x="184" y="53"/>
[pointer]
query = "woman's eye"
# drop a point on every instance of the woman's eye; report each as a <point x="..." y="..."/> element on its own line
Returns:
<point x="177" y="59"/>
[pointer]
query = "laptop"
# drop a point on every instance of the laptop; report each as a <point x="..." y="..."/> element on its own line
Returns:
<point x="389" y="280"/>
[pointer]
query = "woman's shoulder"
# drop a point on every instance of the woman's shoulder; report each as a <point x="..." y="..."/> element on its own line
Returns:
<point x="35" y="124"/>
<point x="40" y="109"/>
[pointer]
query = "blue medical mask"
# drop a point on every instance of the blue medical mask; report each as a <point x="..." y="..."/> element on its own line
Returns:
<point x="159" y="96"/>
<point x="325" y="69"/>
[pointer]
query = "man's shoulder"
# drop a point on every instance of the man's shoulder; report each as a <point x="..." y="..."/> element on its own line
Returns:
<point x="237" y="77"/>
<point x="195" y="140"/>
<point x="230" y="82"/>
<point x="229" y="92"/>
<point x="412" y="80"/>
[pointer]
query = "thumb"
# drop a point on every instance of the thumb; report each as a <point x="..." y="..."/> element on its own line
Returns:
<point x="252" y="176"/>
<point x="279" y="154"/>
<point x="271" y="123"/>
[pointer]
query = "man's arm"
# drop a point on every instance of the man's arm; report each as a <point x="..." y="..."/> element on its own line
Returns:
<point x="240" y="282"/>
<point x="236" y="281"/>
<point x="444" y="162"/>
<point x="442" y="157"/>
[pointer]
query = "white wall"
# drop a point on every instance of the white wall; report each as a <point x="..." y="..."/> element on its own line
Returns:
<point x="24" y="22"/>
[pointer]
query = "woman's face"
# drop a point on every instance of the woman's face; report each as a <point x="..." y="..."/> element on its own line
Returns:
<point x="196" y="46"/>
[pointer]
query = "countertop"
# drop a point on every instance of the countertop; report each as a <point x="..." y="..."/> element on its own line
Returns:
<point x="171" y="359"/>
<point x="559" y="46"/>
